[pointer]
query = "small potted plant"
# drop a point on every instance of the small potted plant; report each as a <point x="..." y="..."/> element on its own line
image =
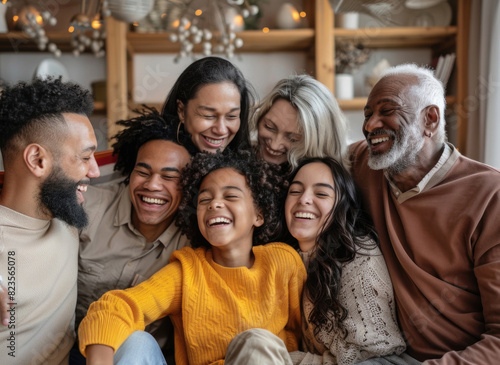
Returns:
<point x="349" y="56"/>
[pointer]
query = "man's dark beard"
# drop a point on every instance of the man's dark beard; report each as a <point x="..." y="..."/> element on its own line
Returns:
<point x="58" y="195"/>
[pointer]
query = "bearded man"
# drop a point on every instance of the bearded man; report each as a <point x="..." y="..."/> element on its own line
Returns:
<point x="437" y="216"/>
<point x="47" y="144"/>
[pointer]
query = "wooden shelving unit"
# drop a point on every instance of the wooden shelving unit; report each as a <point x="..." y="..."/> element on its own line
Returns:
<point x="359" y="103"/>
<point x="19" y="42"/>
<point x="439" y="39"/>
<point x="276" y="40"/>
<point x="99" y="107"/>
<point x="401" y="37"/>
<point x="396" y="38"/>
<point x="318" y="42"/>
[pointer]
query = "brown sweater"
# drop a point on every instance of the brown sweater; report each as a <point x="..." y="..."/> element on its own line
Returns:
<point x="442" y="249"/>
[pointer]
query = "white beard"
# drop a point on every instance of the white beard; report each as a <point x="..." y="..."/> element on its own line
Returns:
<point x="404" y="151"/>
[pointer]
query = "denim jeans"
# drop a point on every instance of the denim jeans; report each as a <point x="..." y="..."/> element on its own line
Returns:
<point x="140" y="348"/>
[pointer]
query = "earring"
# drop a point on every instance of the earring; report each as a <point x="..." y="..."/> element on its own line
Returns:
<point x="178" y="129"/>
<point x="428" y="134"/>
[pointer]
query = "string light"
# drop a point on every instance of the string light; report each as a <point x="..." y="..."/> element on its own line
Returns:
<point x="32" y="25"/>
<point x="89" y="34"/>
<point x="96" y="24"/>
<point x="195" y="25"/>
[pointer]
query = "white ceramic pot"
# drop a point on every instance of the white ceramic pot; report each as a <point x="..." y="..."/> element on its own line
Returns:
<point x="347" y="20"/>
<point x="130" y="11"/>
<point x="3" y="21"/>
<point x="288" y="17"/>
<point x="344" y="86"/>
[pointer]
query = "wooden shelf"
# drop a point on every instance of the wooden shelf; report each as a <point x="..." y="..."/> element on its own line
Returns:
<point x="318" y="42"/>
<point x="359" y="103"/>
<point x="277" y="40"/>
<point x="99" y="107"/>
<point x="19" y="42"/>
<point x="400" y="37"/>
<point x="353" y="104"/>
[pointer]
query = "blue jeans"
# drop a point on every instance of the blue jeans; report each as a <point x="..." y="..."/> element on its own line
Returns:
<point x="140" y="348"/>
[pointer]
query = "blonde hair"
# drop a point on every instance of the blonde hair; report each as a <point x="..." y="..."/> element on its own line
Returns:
<point x="320" y="119"/>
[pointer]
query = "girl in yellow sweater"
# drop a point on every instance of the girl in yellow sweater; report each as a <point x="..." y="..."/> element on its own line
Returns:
<point x="226" y="284"/>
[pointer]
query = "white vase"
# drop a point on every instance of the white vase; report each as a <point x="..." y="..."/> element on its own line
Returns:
<point x="3" y="21"/>
<point x="344" y="86"/>
<point x="130" y="11"/>
<point x="288" y="17"/>
<point x="347" y="20"/>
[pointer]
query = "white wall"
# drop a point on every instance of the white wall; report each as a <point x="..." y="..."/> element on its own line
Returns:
<point x="83" y="70"/>
<point x="155" y="74"/>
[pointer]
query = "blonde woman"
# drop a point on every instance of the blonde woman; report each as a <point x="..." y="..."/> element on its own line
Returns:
<point x="299" y="118"/>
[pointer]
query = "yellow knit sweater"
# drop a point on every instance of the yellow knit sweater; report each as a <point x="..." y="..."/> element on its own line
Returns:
<point x="208" y="303"/>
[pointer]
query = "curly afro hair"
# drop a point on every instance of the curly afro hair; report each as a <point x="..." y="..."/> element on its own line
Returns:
<point x="147" y="126"/>
<point x="266" y="187"/>
<point x="30" y="111"/>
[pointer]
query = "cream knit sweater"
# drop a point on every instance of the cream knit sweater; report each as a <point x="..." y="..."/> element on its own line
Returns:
<point x="367" y="295"/>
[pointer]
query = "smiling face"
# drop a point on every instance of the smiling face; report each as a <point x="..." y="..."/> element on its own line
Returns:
<point x="226" y="212"/>
<point x="74" y="164"/>
<point x="279" y="132"/>
<point x="308" y="204"/>
<point x="154" y="186"/>
<point x="76" y="155"/>
<point x="392" y="127"/>
<point x="212" y="117"/>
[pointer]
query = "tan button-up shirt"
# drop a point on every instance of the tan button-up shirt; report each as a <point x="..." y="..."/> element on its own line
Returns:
<point x="113" y="254"/>
<point x="445" y="163"/>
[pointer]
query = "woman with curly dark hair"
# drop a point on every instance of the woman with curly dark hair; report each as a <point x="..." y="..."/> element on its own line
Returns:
<point x="348" y="309"/>
<point x="212" y="102"/>
<point x="228" y="283"/>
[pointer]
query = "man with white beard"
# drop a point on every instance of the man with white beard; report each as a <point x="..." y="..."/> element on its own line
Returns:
<point x="436" y="213"/>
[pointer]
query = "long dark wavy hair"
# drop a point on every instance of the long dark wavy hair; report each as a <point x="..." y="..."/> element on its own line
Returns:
<point x="264" y="183"/>
<point x="347" y="228"/>
<point x="207" y="71"/>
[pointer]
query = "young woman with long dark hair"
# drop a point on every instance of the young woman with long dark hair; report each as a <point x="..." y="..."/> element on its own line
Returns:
<point x="348" y="308"/>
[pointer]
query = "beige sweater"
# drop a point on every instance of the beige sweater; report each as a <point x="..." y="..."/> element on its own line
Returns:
<point x="38" y="264"/>
<point x="366" y="293"/>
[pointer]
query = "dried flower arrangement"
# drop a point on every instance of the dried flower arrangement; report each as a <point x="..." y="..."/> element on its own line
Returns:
<point x="350" y="56"/>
